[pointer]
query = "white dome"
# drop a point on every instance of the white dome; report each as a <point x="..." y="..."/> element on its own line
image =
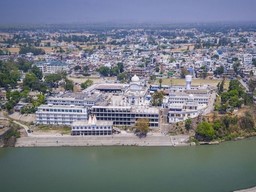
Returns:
<point x="191" y="96"/>
<point x="135" y="78"/>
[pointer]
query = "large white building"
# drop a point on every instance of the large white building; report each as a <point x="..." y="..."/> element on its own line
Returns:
<point x="78" y="99"/>
<point x="60" y="114"/>
<point x="184" y="102"/>
<point x="185" y="110"/>
<point x="127" y="106"/>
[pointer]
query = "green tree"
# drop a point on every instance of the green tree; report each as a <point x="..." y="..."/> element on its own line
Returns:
<point x="188" y="124"/>
<point x="69" y="85"/>
<point x="120" y="67"/>
<point x="247" y="122"/>
<point x="219" y="70"/>
<point x="31" y="81"/>
<point x="142" y="126"/>
<point x="183" y="73"/>
<point x="205" y="131"/>
<point x="236" y="66"/>
<point x="77" y="67"/>
<point x="160" y="83"/>
<point x="252" y="84"/>
<point x="104" y="71"/>
<point x="86" y="84"/>
<point x="157" y="98"/>
<point x="122" y="77"/>
<point x="220" y="86"/>
<point x="9" y="74"/>
<point x="23" y="64"/>
<point x="52" y="79"/>
<point x="38" y="73"/>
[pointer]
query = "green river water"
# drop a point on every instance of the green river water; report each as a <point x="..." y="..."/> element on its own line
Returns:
<point x="225" y="167"/>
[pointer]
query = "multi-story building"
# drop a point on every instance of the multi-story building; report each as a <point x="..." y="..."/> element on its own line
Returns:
<point x="247" y="59"/>
<point x="77" y="99"/>
<point x="126" y="115"/>
<point x="186" y="110"/>
<point x="92" y="127"/>
<point x="181" y="98"/>
<point x="52" y="66"/>
<point x="60" y="114"/>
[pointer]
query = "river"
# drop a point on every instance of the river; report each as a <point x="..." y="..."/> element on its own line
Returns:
<point x="221" y="168"/>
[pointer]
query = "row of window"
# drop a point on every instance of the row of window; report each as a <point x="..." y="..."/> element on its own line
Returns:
<point x="63" y="110"/>
<point x="89" y="128"/>
<point x="126" y="115"/>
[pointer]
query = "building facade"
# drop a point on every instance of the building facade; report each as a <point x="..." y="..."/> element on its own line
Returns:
<point x="92" y="127"/>
<point x="126" y="115"/>
<point x="60" y="114"/>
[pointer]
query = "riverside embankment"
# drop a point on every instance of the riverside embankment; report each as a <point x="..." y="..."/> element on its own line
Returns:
<point x="115" y="140"/>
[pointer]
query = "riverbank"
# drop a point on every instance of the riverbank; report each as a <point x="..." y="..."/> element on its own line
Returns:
<point x="247" y="190"/>
<point x="116" y="140"/>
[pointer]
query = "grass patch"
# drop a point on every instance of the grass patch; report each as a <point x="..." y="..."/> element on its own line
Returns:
<point x="59" y="128"/>
<point x="195" y="82"/>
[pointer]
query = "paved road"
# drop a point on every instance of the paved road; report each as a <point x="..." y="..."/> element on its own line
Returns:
<point x="244" y="84"/>
<point x="24" y="126"/>
<point x="210" y="106"/>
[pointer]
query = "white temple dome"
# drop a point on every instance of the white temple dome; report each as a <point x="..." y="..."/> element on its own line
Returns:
<point x="135" y="78"/>
<point x="191" y="96"/>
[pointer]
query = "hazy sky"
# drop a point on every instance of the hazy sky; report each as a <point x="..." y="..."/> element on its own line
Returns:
<point x="129" y="11"/>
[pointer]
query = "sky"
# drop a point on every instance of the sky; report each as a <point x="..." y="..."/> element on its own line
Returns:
<point x="125" y="11"/>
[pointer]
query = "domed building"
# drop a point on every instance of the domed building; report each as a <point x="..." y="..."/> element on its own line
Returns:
<point x="136" y="93"/>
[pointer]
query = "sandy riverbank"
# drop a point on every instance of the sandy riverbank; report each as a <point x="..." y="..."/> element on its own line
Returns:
<point x="116" y="140"/>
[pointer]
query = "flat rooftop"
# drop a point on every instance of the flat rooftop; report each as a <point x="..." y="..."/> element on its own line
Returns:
<point x="86" y="123"/>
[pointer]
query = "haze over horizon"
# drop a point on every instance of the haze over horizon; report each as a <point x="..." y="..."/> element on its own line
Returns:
<point x="120" y="11"/>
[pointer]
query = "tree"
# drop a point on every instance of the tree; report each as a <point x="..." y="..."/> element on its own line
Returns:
<point x="31" y="81"/>
<point x="236" y="66"/>
<point x="52" y="79"/>
<point x="157" y="98"/>
<point x="188" y="124"/>
<point x="122" y="77"/>
<point x="23" y="64"/>
<point x="35" y="51"/>
<point x="68" y="85"/>
<point x="252" y="84"/>
<point x="160" y="82"/>
<point x="104" y="71"/>
<point x="205" y="131"/>
<point x="221" y="86"/>
<point x="38" y="73"/>
<point x="247" y="122"/>
<point x="77" y="67"/>
<point x="219" y="70"/>
<point x="183" y="73"/>
<point x="86" y="84"/>
<point x="9" y="74"/>
<point x="120" y="67"/>
<point x="142" y="126"/>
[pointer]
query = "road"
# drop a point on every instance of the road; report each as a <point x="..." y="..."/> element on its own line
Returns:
<point x="25" y="127"/>
<point x="244" y="85"/>
<point x="210" y="106"/>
